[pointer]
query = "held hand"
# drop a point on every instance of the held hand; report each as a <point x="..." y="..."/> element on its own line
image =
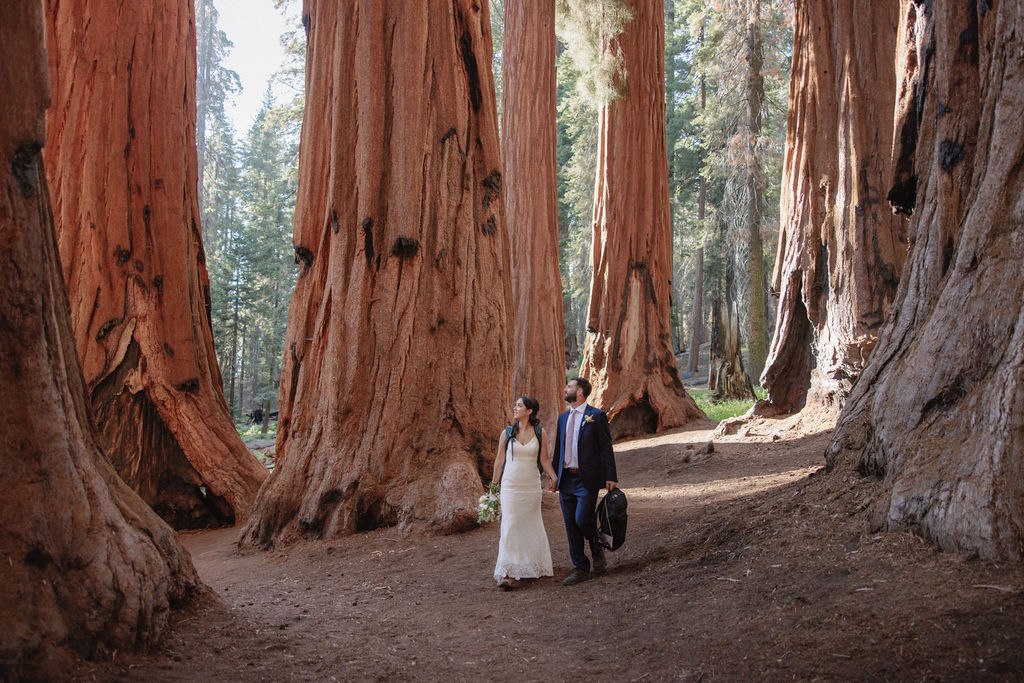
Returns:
<point x="610" y="485"/>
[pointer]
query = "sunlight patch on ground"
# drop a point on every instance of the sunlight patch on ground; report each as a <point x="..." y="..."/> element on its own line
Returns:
<point x="719" y="489"/>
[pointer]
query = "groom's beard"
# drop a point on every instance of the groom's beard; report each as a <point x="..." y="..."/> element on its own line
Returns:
<point x="568" y="398"/>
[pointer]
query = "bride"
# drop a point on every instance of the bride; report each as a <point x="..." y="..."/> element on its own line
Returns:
<point x="523" y="551"/>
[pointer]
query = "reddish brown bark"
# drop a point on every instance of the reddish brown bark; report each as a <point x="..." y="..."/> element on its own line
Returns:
<point x="87" y="566"/>
<point x="628" y="356"/>
<point x="841" y="250"/>
<point x="531" y="205"/>
<point x="398" y="364"/>
<point x="121" y="159"/>
<point x="938" y="412"/>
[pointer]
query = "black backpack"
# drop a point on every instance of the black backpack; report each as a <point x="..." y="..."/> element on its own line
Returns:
<point x="611" y="519"/>
<point x="508" y="444"/>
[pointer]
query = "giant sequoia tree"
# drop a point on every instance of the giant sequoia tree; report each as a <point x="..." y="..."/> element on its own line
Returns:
<point x="841" y="249"/>
<point x="939" y="410"/>
<point x="628" y="356"/>
<point x="528" y="150"/>
<point x="121" y="160"/>
<point x="86" y="564"/>
<point x="398" y="353"/>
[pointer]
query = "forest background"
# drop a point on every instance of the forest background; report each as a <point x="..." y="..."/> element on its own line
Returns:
<point x="726" y="88"/>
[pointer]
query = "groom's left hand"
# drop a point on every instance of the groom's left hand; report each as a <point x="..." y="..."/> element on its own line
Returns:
<point x="610" y="485"/>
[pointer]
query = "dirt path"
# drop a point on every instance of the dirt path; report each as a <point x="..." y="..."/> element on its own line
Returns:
<point x="745" y="563"/>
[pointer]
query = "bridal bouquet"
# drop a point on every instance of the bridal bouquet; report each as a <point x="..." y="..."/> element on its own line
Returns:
<point x="488" y="508"/>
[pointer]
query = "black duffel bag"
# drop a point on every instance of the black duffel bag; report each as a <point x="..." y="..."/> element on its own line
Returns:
<point x="611" y="520"/>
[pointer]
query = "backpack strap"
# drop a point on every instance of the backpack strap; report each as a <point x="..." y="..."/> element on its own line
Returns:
<point x="508" y="444"/>
<point x="509" y="453"/>
<point x="540" y="445"/>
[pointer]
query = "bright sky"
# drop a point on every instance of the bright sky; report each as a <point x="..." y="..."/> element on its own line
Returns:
<point x="254" y="26"/>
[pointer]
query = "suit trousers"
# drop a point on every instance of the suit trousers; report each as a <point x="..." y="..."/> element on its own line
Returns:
<point x="578" y="511"/>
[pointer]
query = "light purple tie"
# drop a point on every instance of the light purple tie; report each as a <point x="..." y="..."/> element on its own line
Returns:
<point x="570" y="443"/>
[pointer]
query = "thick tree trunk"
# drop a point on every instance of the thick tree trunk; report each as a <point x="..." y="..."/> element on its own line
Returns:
<point x="840" y="250"/>
<point x="531" y="204"/>
<point x="939" y="410"/>
<point x="87" y="566"/>
<point x="628" y="355"/>
<point x="397" y="374"/>
<point x="121" y="159"/>
<point x="755" y="180"/>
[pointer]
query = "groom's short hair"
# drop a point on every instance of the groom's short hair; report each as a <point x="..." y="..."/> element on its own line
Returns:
<point x="582" y="384"/>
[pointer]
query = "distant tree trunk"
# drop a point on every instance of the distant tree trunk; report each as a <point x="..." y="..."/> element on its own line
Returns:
<point x="697" y="321"/>
<point x="265" y="407"/>
<point x="572" y="346"/>
<point x="255" y="374"/>
<point x="397" y="375"/>
<point x="697" y="317"/>
<point x="270" y="386"/>
<point x="242" y="405"/>
<point x="232" y="405"/>
<point x="716" y="347"/>
<point x="726" y="376"/>
<point x="628" y="355"/>
<point x="121" y="159"/>
<point x="87" y="566"/>
<point x="939" y="410"/>
<point x="531" y="204"/>
<point x="204" y="53"/>
<point x="755" y="180"/>
<point x="840" y="249"/>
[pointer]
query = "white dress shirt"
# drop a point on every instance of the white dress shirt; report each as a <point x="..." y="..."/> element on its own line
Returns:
<point x="572" y="440"/>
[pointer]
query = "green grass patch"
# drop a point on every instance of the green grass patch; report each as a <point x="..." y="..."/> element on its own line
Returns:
<point x="259" y="444"/>
<point x="252" y="433"/>
<point x="722" y="410"/>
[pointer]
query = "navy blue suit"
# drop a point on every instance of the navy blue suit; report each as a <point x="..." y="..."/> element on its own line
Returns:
<point x="578" y="492"/>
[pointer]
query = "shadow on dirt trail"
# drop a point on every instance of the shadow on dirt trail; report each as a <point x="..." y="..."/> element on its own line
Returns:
<point x="746" y="562"/>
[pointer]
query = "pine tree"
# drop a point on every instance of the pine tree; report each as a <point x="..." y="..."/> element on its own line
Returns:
<point x="215" y="84"/>
<point x="267" y="203"/>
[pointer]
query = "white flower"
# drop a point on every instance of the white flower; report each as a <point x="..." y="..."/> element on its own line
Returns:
<point x="489" y="507"/>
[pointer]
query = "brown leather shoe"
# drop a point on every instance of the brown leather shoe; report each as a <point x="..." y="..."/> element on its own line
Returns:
<point x="599" y="564"/>
<point x="506" y="584"/>
<point x="577" y="575"/>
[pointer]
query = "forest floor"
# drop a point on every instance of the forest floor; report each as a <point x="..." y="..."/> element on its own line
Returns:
<point x="749" y="562"/>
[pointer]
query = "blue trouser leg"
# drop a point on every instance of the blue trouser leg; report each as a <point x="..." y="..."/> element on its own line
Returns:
<point x="578" y="503"/>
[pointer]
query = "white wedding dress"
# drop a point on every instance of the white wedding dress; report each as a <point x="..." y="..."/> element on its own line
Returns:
<point x="523" y="551"/>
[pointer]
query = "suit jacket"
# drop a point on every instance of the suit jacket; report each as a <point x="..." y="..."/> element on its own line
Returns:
<point x="594" y="449"/>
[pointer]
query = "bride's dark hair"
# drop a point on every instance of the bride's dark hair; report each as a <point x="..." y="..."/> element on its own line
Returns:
<point x="530" y="403"/>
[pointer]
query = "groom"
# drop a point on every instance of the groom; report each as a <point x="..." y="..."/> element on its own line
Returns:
<point x="584" y="462"/>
